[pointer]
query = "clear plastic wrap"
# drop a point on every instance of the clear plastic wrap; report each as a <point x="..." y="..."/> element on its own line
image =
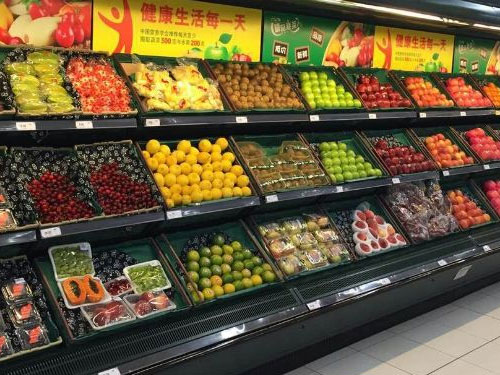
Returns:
<point x="290" y="265"/>
<point x="147" y="277"/>
<point x="315" y="221"/>
<point x="71" y="260"/>
<point x="16" y="290"/>
<point x="5" y="345"/>
<point x="270" y="231"/>
<point x="149" y="303"/>
<point x="107" y="314"/>
<point x="119" y="286"/>
<point x="32" y="336"/>
<point x="312" y="258"/>
<point x="24" y="313"/>
<point x="7" y="221"/>
<point x="280" y="247"/>
<point x="293" y="225"/>
<point x="326" y="235"/>
<point x="304" y="241"/>
<point x="336" y="253"/>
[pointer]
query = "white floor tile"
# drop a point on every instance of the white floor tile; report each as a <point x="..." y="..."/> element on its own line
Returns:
<point x="460" y="367"/>
<point x="482" y="304"/>
<point x="360" y="364"/>
<point x="409" y="324"/>
<point x="479" y="325"/>
<point x="302" y="371"/>
<point x="486" y="357"/>
<point x="372" y="340"/>
<point x="330" y="358"/>
<point x="445" y="339"/>
<point x="492" y="290"/>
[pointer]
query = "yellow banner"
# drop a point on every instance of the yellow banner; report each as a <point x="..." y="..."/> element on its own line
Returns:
<point x="177" y="28"/>
<point x="402" y="49"/>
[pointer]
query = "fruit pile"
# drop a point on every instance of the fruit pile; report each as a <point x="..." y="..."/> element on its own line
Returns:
<point x="188" y="89"/>
<point x="482" y="144"/>
<point x="322" y="92"/>
<point x="466" y="210"/>
<point x="492" y="190"/>
<point x="100" y="88"/>
<point x="400" y="158"/>
<point x="379" y="95"/>
<point x="219" y="266"/>
<point x="258" y="86"/>
<point x="445" y="153"/>
<point x="493" y="92"/>
<point x="465" y="95"/>
<point x="191" y="174"/>
<point x="343" y="164"/>
<point x="425" y="93"/>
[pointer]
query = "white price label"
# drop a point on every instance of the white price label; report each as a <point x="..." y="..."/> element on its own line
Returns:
<point x="497" y="113"/>
<point x="463" y="113"/>
<point x="19" y="281"/>
<point x="111" y="371"/>
<point x="486" y="248"/>
<point x="314" y="305"/>
<point x="372" y="116"/>
<point x="241" y="119"/>
<point x="314" y="118"/>
<point x="442" y="262"/>
<point x="85" y="247"/>
<point x="486" y="167"/>
<point x="84" y="125"/>
<point x="385" y="281"/>
<point x="50" y="232"/>
<point x="396" y="180"/>
<point x="271" y="198"/>
<point x="446" y="173"/>
<point x="26" y="126"/>
<point x="174" y="214"/>
<point x="340" y="189"/>
<point x="462" y="272"/>
<point x="152" y="122"/>
<point x="423" y="115"/>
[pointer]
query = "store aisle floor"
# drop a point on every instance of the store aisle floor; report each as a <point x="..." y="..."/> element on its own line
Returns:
<point x="462" y="338"/>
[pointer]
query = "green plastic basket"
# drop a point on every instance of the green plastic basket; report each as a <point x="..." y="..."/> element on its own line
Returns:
<point x="442" y="77"/>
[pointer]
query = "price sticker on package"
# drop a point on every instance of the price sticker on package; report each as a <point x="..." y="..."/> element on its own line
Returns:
<point x="84" y="124"/>
<point x="241" y="119"/>
<point x="26" y="126"/>
<point x="174" y="214"/>
<point x="50" y="232"/>
<point x="153" y="122"/>
<point x="111" y="371"/>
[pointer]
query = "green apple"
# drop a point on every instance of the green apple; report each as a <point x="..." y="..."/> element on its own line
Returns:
<point x="357" y="103"/>
<point x="330" y="169"/>
<point x="342" y="153"/>
<point x="343" y="147"/>
<point x="324" y="154"/>
<point x="312" y="104"/>
<point x="324" y="146"/>
<point x="313" y="75"/>
<point x="314" y="83"/>
<point x="367" y="165"/>
<point x="347" y="176"/>
<point x="339" y="177"/>
<point x="370" y="172"/>
<point x="362" y="174"/>
<point x="336" y="104"/>
<point x="328" y="103"/>
<point x="320" y="103"/>
<point x="216" y="52"/>
<point x="336" y="161"/>
<point x="348" y="96"/>
<point x="378" y="172"/>
<point x="340" y="89"/>
<point x="360" y="159"/>
<point x="307" y="90"/>
<point x="350" y="103"/>
<point x="333" y="178"/>
<point x="309" y="96"/>
<point x="360" y="166"/>
<point x="334" y="146"/>
<point x="343" y="160"/>
<point x="331" y="83"/>
<point x="328" y="162"/>
<point x="304" y="76"/>
<point x="337" y="169"/>
<point x="351" y="153"/>
<point x="355" y="175"/>
<point x="323" y="76"/>
<point x="316" y="91"/>
<point x="334" y="153"/>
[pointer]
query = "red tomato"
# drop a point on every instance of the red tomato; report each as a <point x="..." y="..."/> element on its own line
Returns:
<point x="64" y="35"/>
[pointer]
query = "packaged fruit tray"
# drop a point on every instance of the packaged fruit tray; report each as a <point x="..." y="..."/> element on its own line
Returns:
<point x="422" y="209"/>
<point x="377" y="89"/>
<point x="258" y="82"/>
<point x="398" y="152"/>
<point x="119" y="176"/>
<point x="445" y="147"/>
<point x="193" y="90"/>
<point x="344" y="156"/>
<point x="490" y="86"/>
<point x="279" y="163"/>
<point x="464" y="90"/>
<point x="109" y="263"/>
<point x="483" y="143"/>
<point x="488" y="188"/>
<point x="301" y="241"/>
<point x="219" y="262"/>
<point x="468" y="205"/>
<point x="424" y="90"/>
<point x="26" y="323"/>
<point x="322" y="89"/>
<point x="195" y="172"/>
<point x="366" y="226"/>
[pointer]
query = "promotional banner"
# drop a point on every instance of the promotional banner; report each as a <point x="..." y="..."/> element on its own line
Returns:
<point x="297" y="39"/>
<point x="177" y="28"/>
<point x="476" y="56"/>
<point x="413" y="50"/>
<point x="45" y="23"/>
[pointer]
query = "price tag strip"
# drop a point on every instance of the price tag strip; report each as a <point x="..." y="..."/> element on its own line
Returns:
<point x="84" y="125"/>
<point x="446" y="173"/>
<point x="153" y="122"/>
<point x="271" y="198"/>
<point x="423" y="115"/>
<point x="50" y="232"/>
<point x="396" y="180"/>
<point x="26" y="126"/>
<point x="174" y="214"/>
<point x="314" y="305"/>
<point x="486" y="248"/>
<point x="372" y="116"/>
<point x="241" y="119"/>
<point x="111" y="371"/>
<point x="314" y="118"/>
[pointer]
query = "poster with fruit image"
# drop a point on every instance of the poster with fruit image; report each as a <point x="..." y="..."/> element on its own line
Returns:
<point x="177" y="28"/>
<point x="44" y="23"/>
<point x="476" y="56"/>
<point x="412" y="50"/>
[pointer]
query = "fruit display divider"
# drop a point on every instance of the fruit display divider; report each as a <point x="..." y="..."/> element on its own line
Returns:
<point x="143" y="250"/>
<point x="169" y="244"/>
<point x="253" y="222"/>
<point x="494" y="130"/>
<point x="459" y="131"/>
<point x="481" y="80"/>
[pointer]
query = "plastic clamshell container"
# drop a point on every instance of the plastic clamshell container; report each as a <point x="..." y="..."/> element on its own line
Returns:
<point x="118" y="279"/>
<point x="5" y="345"/>
<point x="3" y="199"/>
<point x="106" y="298"/>
<point x="154" y="263"/>
<point x="132" y="299"/>
<point x="17" y="310"/>
<point x="7" y="221"/>
<point x="32" y="336"/>
<point x="89" y="313"/>
<point x="81" y="246"/>
<point x="16" y="290"/>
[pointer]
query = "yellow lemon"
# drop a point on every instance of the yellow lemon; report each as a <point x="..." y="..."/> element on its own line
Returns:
<point x="205" y="185"/>
<point x="186" y="199"/>
<point x="218" y="175"/>
<point x="152" y="164"/>
<point x="185" y="168"/>
<point x="195" y="187"/>
<point x="184" y="146"/>
<point x="216" y="148"/>
<point x="228" y="183"/>
<point x="186" y="190"/>
<point x="159" y="179"/>
<point x="256" y="280"/>
<point x="153" y="146"/>
<point x="176" y="189"/>
<point x="243" y="181"/>
<point x="170" y="203"/>
<point x="231" y="176"/>
<point x="216" y="166"/>
<point x="194" y="178"/>
<point x="177" y="198"/>
<point x="216" y="193"/>
<point x="175" y="169"/>
<point x="146" y="155"/>
<point x="194" y="151"/>
<point x="162" y="168"/>
<point x="237" y="170"/>
<point x="165" y="192"/>
<point x="191" y="159"/>
<point x="216" y="280"/>
<point x="228" y="156"/>
<point x="196" y="168"/>
<point x="208" y="167"/>
<point x="246" y="191"/>
<point x="170" y="160"/>
<point x="196" y="196"/>
<point x="218" y="290"/>
<point x="164" y="149"/>
<point x="207" y="175"/>
<point x="215" y="156"/>
<point x="170" y="179"/>
<point x="207" y="195"/>
<point x="237" y="192"/>
<point x="216" y="183"/>
<point x="229" y="288"/>
<point x="182" y="180"/>
<point x="227" y="192"/>
<point x="203" y="157"/>
<point x="179" y="155"/>
<point x="205" y="145"/>
<point x="226" y="165"/>
<point x="161" y="157"/>
<point x="222" y="143"/>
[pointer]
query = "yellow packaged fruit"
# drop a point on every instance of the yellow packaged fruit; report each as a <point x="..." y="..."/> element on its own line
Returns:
<point x="170" y="160"/>
<point x="194" y="151"/>
<point x="194" y="178"/>
<point x="191" y="159"/>
<point x="152" y="164"/>
<point x="185" y="168"/>
<point x="237" y="170"/>
<point x="196" y="168"/>
<point x="215" y="156"/>
<point x="146" y="154"/>
<point x="164" y="149"/>
<point x="179" y="155"/>
<point x="227" y="192"/>
<point x="216" y="166"/>
<point x="207" y="195"/>
<point x="170" y="203"/>
<point x="162" y="168"/>
<point x="203" y="157"/>
<point x="228" y="156"/>
<point x="176" y="189"/>
<point x="153" y="146"/>
<point x="186" y="199"/>
<point x="222" y="142"/>
<point x="196" y="196"/>
<point x="161" y="157"/>
<point x="218" y="175"/>
<point x="165" y="192"/>
<point x="237" y="192"/>
<point x="177" y="198"/>
<point x="182" y="180"/>
<point x="246" y="191"/>
<point x="170" y="179"/>
<point x="216" y="149"/>
<point x="205" y="185"/>
<point x="226" y="165"/>
<point x="175" y="169"/>
<point x="186" y="190"/>
<point x="205" y="145"/>
<point x="243" y="181"/>
<point x="228" y="183"/>
<point x="216" y="183"/>
<point x="230" y="176"/>
<point x="216" y="193"/>
<point x="159" y="179"/>
<point x="184" y="146"/>
<point x="207" y="175"/>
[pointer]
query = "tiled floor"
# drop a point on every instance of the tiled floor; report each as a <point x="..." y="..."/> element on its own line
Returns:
<point x="462" y="338"/>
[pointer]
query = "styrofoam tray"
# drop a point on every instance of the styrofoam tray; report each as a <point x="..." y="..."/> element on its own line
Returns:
<point x="130" y="315"/>
<point x="106" y="298"/>
<point x="131" y="297"/>
<point x="157" y="263"/>
<point x="83" y="246"/>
